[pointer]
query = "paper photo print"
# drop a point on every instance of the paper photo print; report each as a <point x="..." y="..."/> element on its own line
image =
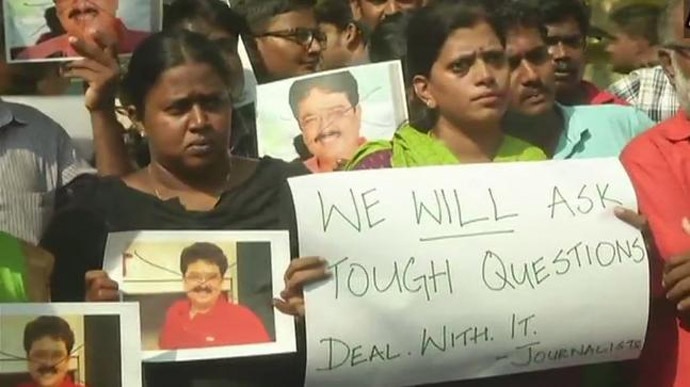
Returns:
<point x="38" y="31"/>
<point x="69" y="345"/>
<point x="324" y="118"/>
<point x="204" y="295"/>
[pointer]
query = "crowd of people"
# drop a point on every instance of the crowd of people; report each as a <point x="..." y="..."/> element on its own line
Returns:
<point x="486" y="81"/>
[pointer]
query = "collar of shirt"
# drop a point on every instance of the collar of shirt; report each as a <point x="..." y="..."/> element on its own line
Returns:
<point x="574" y="133"/>
<point x="7" y="116"/>
<point x="678" y="128"/>
<point x="595" y="96"/>
<point x="67" y="382"/>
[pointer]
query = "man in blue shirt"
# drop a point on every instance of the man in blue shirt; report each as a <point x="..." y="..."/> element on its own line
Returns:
<point x="563" y="132"/>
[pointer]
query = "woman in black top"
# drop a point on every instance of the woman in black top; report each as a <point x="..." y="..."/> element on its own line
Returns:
<point x="177" y="83"/>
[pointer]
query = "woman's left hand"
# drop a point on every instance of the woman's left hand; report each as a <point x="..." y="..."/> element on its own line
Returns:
<point x="302" y="271"/>
<point x="99" y="68"/>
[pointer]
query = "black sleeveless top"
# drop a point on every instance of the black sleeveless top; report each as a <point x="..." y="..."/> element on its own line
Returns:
<point x="91" y="207"/>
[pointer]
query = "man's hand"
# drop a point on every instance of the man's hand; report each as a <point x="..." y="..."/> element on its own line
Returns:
<point x="99" y="69"/>
<point x="676" y="278"/>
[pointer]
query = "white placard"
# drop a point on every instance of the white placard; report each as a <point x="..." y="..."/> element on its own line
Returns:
<point x="148" y="266"/>
<point x="462" y="272"/>
<point x="94" y="328"/>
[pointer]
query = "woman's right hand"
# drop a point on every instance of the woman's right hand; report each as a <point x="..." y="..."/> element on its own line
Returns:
<point x="100" y="288"/>
<point x="302" y="271"/>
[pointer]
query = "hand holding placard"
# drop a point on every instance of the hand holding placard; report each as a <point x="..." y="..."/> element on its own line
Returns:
<point x="462" y="272"/>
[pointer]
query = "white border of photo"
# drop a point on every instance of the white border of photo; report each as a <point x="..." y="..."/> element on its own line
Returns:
<point x="285" y="341"/>
<point x="130" y="346"/>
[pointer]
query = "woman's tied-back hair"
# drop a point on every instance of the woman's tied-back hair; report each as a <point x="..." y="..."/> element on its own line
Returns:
<point x="213" y="12"/>
<point x="163" y="51"/>
<point x="427" y="32"/>
<point x="430" y="27"/>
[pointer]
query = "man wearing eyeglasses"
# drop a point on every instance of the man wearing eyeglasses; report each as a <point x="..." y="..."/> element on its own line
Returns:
<point x="80" y="19"/>
<point x="206" y="318"/>
<point x="329" y="114"/>
<point x="48" y="342"/>
<point x="567" y="23"/>
<point x="286" y="39"/>
<point x="658" y="163"/>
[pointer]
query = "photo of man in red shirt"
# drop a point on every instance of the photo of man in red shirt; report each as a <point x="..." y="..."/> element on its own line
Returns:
<point x="206" y="318"/>
<point x="48" y="342"/>
<point x="80" y="18"/>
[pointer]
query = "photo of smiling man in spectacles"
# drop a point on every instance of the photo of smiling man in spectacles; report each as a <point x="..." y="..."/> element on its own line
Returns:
<point x="48" y="342"/>
<point x="206" y="318"/>
<point x="329" y="115"/>
<point x="82" y="19"/>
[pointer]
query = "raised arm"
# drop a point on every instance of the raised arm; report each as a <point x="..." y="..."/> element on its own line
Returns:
<point x="100" y="71"/>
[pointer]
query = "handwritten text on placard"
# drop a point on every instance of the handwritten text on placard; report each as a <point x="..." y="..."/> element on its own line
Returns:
<point x="461" y="272"/>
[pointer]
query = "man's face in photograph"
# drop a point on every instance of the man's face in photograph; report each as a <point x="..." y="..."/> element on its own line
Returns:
<point x="202" y="283"/>
<point x="48" y="361"/>
<point x="330" y="125"/>
<point x="82" y="17"/>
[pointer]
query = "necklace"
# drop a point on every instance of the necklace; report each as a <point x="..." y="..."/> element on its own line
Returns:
<point x="154" y="182"/>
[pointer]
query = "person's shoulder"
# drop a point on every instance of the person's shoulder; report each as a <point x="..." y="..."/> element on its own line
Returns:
<point x="237" y="310"/>
<point x="272" y="167"/>
<point x="523" y="150"/>
<point x="31" y="116"/>
<point x="44" y="49"/>
<point x="87" y="191"/>
<point x="177" y="307"/>
<point x="372" y="155"/>
<point x="132" y="38"/>
<point x="613" y="114"/>
<point x="672" y="129"/>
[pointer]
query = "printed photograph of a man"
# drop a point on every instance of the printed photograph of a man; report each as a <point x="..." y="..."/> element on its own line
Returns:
<point x="79" y="18"/>
<point x="329" y="115"/>
<point x="203" y="294"/>
<point x="48" y="342"/>
<point x="205" y="318"/>
<point x="70" y="345"/>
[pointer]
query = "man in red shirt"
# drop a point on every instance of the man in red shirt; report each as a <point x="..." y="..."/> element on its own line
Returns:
<point x="658" y="163"/>
<point x="567" y="24"/>
<point x="206" y="318"/>
<point x="80" y="18"/>
<point x="48" y="342"/>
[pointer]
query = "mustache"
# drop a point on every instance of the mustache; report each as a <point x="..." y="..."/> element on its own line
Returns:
<point x="563" y="66"/>
<point x="47" y="369"/>
<point x="532" y="88"/>
<point x="201" y="289"/>
<point x="79" y="11"/>
<point x="327" y="132"/>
